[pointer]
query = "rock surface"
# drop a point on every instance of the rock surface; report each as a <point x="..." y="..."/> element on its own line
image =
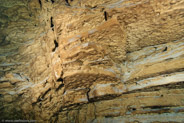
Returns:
<point x="92" y="61"/>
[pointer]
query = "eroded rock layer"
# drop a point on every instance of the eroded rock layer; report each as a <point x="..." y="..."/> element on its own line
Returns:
<point x="92" y="61"/>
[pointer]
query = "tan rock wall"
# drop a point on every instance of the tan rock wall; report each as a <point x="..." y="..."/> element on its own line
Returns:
<point x="92" y="61"/>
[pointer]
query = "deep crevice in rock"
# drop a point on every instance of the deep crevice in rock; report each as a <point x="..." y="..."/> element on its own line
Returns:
<point x="67" y="3"/>
<point x="157" y="106"/>
<point x="40" y="2"/>
<point x="60" y="86"/>
<point x="165" y="49"/>
<point x="105" y="15"/>
<point x="88" y="94"/>
<point x="51" y="23"/>
<point x="52" y="1"/>
<point x="56" y="45"/>
<point x="46" y="93"/>
<point x="60" y="80"/>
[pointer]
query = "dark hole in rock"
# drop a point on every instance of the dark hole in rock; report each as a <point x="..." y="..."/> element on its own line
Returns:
<point x="134" y="109"/>
<point x="67" y="3"/>
<point x="51" y="23"/>
<point x="60" y="80"/>
<point x="60" y="86"/>
<point x="20" y="94"/>
<point x="157" y="106"/>
<point x="45" y="93"/>
<point x="52" y="1"/>
<point x="105" y="15"/>
<point x="165" y="49"/>
<point x="56" y="45"/>
<point x="40" y="2"/>
<point x="128" y="52"/>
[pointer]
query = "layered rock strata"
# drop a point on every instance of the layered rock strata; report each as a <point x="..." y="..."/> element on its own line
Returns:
<point x="92" y="61"/>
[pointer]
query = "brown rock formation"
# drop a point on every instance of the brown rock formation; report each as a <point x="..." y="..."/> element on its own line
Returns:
<point x="98" y="61"/>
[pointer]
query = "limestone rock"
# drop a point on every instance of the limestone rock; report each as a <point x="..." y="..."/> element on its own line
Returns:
<point x="90" y="61"/>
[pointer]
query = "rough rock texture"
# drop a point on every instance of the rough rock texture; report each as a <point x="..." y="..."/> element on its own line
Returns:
<point x="99" y="61"/>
